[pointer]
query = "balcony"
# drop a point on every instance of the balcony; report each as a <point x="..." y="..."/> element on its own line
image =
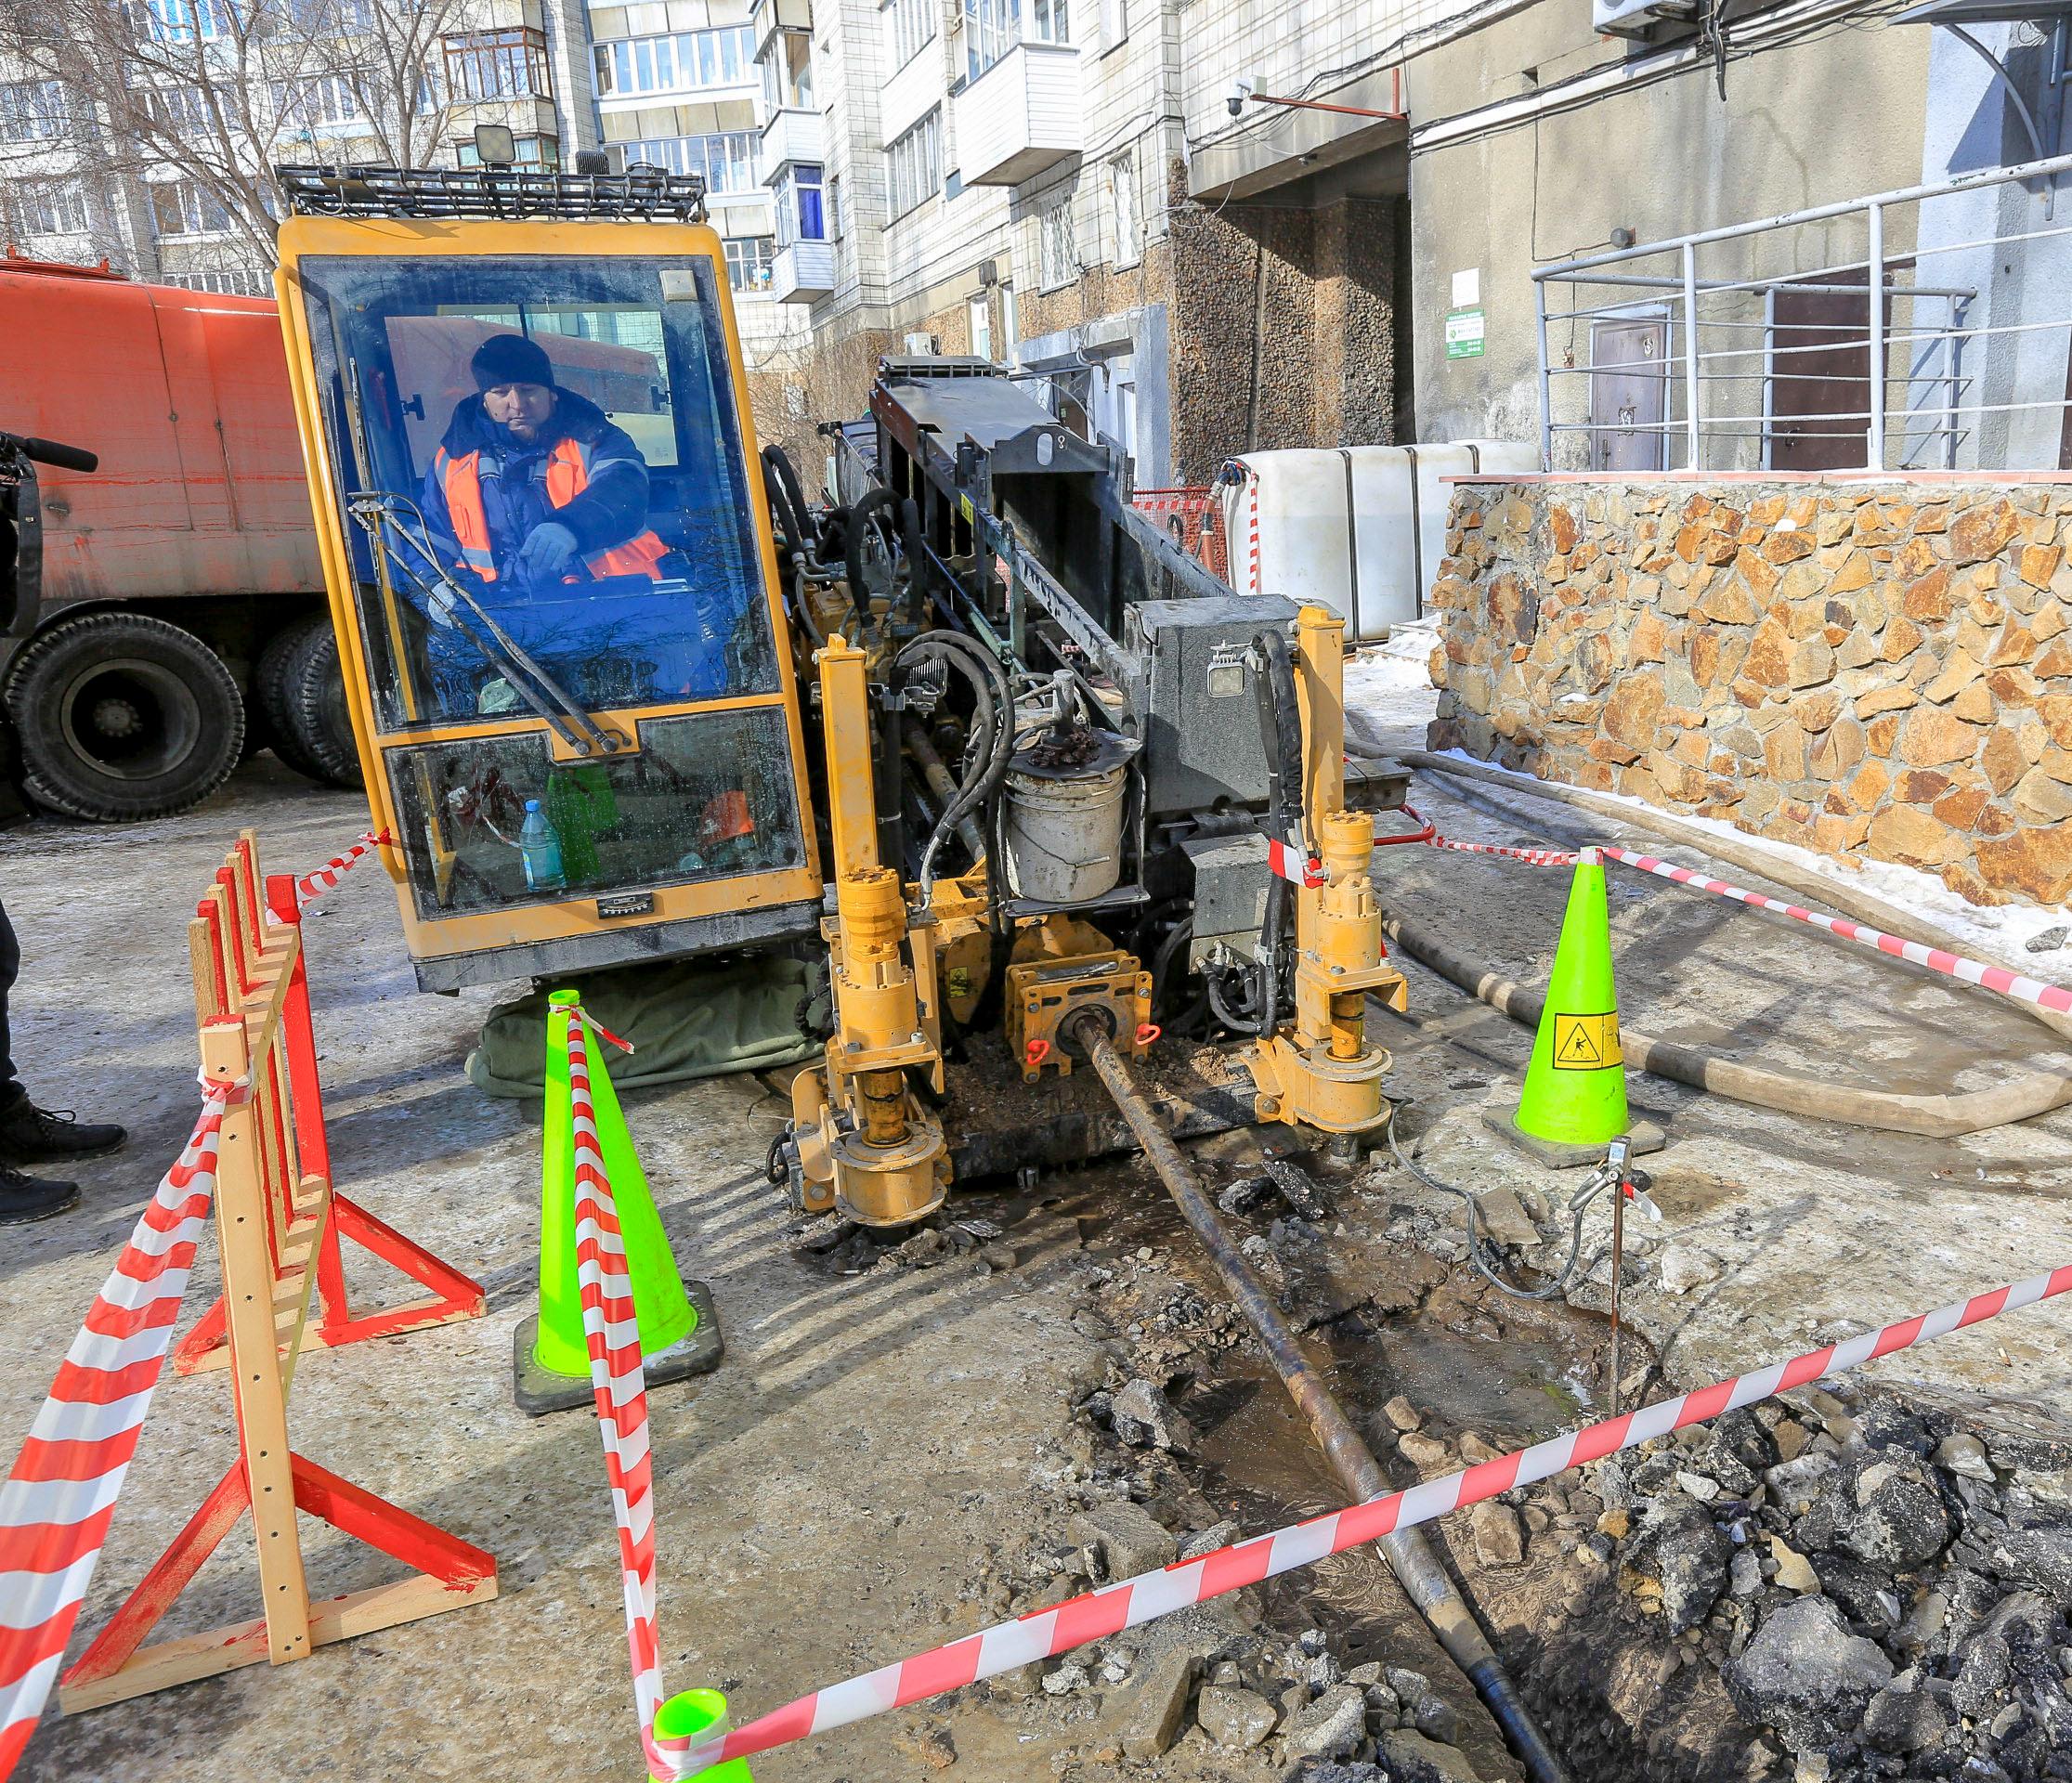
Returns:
<point x="792" y="134"/>
<point x="769" y="16"/>
<point x="803" y="273"/>
<point x="1021" y="116"/>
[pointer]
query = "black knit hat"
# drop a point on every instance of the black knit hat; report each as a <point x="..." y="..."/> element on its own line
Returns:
<point x="510" y="358"/>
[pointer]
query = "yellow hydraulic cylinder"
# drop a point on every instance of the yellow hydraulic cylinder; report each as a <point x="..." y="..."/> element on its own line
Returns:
<point x="1320" y="1071"/>
<point x="884" y="1152"/>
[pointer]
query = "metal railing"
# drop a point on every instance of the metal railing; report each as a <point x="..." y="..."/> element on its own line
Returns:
<point x="1761" y="345"/>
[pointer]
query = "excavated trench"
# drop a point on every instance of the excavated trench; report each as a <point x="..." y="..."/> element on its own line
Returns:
<point x="1836" y="1587"/>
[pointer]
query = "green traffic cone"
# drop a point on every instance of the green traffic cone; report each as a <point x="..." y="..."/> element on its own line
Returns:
<point x="679" y="1331"/>
<point x="698" y="1715"/>
<point x="1574" y="1101"/>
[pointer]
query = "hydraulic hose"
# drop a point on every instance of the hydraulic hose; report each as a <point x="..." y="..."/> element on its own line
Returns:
<point x="1410" y="1556"/>
<point x="993" y="720"/>
<point x="1279" y="728"/>
<point x="777" y="462"/>
<point x="853" y="547"/>
<point x="783" y="516"/>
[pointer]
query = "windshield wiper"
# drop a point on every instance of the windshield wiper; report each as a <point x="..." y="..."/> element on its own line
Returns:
<point x="380" y="515"/>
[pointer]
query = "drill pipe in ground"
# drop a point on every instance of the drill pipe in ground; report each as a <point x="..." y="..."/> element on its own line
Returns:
<point x="1409" y="1554"/>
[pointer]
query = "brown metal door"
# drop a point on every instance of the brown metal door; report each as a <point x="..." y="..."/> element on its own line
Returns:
<point x="1628" y="397"/>
<point x="1821" y="367"/>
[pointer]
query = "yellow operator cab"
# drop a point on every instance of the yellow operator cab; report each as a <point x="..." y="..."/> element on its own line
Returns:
<point x="548" y="548"/>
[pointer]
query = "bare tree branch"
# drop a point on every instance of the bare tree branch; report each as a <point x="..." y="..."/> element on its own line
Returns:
<point x="202" y="98"/>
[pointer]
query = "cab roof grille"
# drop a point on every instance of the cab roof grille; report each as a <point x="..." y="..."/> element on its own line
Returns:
<point x="640" y="194"/>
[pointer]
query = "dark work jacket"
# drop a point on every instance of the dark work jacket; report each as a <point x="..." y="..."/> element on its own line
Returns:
<point x="609" y="512"/>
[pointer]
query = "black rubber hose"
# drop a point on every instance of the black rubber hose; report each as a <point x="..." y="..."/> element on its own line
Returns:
<point x="780" y="516"/>
<point x="917" y="560"/>
<point x="853" y="547"/>
<point x="1280" y="719"/>
<point x="993" y="718"/>
<point x="775" y="462"/>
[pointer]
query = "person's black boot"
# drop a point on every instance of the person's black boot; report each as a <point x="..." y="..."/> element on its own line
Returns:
<point x="23" y="1199"/>
<point x="33" y="1135"/>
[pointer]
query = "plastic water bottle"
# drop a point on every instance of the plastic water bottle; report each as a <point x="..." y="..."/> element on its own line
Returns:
<point x="541" y="849"/>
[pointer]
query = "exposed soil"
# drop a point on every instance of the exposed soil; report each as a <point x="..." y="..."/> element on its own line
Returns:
<point x="900" y="1448"/>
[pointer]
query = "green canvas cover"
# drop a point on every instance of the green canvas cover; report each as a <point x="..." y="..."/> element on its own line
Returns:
<point x="699" y="1018"/>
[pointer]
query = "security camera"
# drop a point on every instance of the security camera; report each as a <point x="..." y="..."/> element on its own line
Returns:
<point x="1241" y="90"/>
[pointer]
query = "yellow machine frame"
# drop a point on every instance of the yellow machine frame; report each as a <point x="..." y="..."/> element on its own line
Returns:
<point x="304" y="237"/>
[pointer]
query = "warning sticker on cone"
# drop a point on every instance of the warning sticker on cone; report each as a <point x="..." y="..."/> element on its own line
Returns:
<point x="1586" y="1042"/>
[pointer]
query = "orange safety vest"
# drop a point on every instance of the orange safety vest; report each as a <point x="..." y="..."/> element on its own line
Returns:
<point x="567" y="477"/>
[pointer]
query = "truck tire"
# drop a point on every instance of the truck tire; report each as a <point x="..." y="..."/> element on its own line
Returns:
<point x="318" y="717"/>
<point x="271" y="676"/>
<point x="120" y="716"/>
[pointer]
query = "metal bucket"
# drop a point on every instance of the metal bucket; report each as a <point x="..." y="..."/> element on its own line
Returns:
<point x="1064" y="830"/>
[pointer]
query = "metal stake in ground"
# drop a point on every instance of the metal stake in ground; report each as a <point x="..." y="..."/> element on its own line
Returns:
<point x="1407" y="1552"/>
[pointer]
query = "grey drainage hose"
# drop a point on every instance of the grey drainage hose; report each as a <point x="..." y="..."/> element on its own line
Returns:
<point x="1940" y="1118"/>
<point x="1862" y="905"/>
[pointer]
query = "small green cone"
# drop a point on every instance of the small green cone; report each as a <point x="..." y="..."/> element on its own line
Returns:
<point x="700" y="1715"/>
<point x="663" y="1309"/>
<point x="1576" y="1087"/>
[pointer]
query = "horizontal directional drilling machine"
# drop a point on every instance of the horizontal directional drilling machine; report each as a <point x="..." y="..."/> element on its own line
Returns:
<point x="1096" y="863"/>
<point x="1080" y="795"/>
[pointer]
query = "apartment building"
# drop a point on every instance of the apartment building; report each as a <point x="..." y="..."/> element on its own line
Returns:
<point x="1205" y="227"/>
<point x="368" y="80"/>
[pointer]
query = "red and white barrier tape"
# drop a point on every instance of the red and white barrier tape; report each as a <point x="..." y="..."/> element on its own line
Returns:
<point x="57" y="1502"/>
<point x="1043" y="1634"/>
<point x="1937" y="960"/>
<point x="1294" y="862"/>
<point x="312" y="886"/>
<point x="619" y="1383"/>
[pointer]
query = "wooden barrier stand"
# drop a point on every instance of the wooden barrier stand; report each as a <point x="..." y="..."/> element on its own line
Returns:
<point x="278" y="1225"/>
<point x="225" y="952"/>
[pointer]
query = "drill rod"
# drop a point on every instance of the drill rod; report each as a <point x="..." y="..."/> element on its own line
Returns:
<point x="1410" y="1556"/>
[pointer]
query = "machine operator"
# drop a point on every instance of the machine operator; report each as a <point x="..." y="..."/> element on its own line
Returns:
<point x="532" y="486"/>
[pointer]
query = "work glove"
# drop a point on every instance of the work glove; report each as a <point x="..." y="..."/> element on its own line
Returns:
<point x="545" y="552"/>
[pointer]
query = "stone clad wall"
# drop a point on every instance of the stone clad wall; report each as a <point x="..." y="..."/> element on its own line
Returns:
<point x="1871" y="669"/>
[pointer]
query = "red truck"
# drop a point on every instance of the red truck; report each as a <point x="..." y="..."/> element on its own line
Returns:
<point x="164" y="614"/>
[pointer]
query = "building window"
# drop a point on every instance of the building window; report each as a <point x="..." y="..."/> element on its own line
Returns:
<point x="57" y="209"/>
<point x="1122" y="201"/>
<point x="747" y="261"/>
<point x="326" y="102"/>
<point x="1114" y="22"/>
<point x="498" y="65"/>
<point x="180" y="207"/>
<point x="980" y="315"/>
<point x="181" y="111"/>
<point x="31" y="111"/>
<point x="1059" y="257"/>
<point x="834" y="207"/>
<point x="914" y="166"/>
<point x="800" y="215"/>
<point x="184" y="22"/>
<point x="232" y="282"/>
<point x="540" y="152"/>
<point x="913" y="24"/>
<point x="725" y="161"/>
<point x="994" y="27"/>
<point x="689" y="59"/>
<point x="787" y="73"/>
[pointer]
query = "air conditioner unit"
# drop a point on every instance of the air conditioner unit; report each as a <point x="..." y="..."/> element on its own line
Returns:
<point x="1638" y="18"/>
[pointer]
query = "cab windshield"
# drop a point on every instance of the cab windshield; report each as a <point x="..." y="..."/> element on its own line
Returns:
<point x="546" y="466"/>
